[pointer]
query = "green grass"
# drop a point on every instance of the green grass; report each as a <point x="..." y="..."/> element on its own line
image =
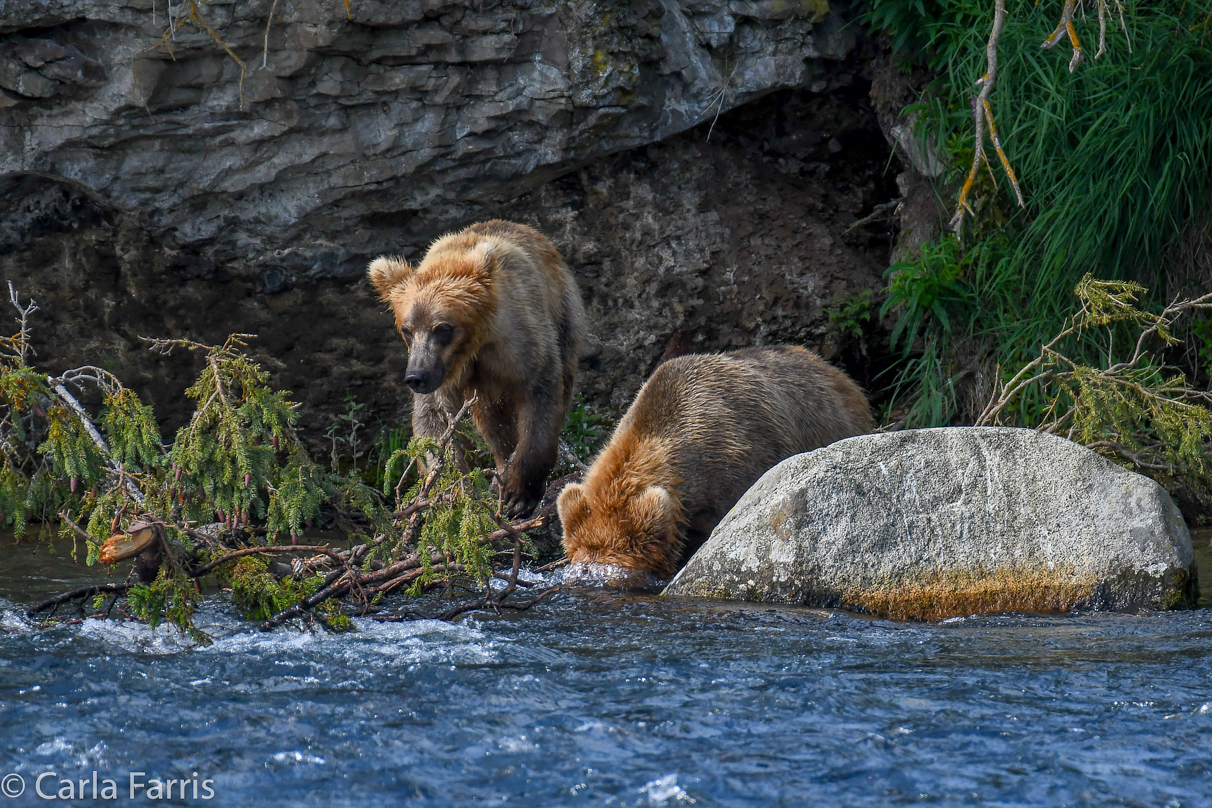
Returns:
<point x="1115" y="160"/>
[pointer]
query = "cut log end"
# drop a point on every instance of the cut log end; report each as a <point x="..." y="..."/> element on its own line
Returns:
<point x="137" y="538"/>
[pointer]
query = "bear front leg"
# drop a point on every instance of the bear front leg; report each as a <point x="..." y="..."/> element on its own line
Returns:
<point x="497" y="422"/>
<point x="525" y="478"/>
<point x="430" y="419"/>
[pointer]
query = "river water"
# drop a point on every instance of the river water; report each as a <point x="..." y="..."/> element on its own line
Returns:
<point x="603" y="699"/>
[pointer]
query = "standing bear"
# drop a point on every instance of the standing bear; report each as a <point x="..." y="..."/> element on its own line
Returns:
<point x="701" y="431"/>
<point x="494" y="312"/>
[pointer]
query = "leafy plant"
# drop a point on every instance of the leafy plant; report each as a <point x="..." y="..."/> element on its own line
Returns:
<point x="852" y="317"/>
<point x="924" y="289"/>
<point x="586" y="430"/>
<point x="1131" y="406"/>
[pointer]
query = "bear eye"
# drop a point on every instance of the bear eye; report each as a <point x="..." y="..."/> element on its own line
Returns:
<point x="442" y="333"/>
<point x="406" y="334"/>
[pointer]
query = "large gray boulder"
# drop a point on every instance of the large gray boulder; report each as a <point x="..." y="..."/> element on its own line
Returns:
<point x="935" y="523"/>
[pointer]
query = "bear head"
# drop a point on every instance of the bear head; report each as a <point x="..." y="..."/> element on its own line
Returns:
<point x="638" y="531"/>
<point x="442" y="310"/>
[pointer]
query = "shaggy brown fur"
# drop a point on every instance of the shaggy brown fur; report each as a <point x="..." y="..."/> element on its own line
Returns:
<point x="492" y="310"/>
<point x="700" y="432"/>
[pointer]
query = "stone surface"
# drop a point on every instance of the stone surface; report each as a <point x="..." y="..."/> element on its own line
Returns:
<point x="935" y="523"/>
<point x="139" y="197"/>
<point x="686" y="244"/>
<point x="400" y="106"/>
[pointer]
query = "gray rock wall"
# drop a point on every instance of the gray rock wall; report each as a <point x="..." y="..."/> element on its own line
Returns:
<point x="403" y="106"/>
<point x="139" y="197"/>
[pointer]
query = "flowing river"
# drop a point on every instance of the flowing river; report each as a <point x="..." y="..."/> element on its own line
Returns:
<point x="605" y="699"/>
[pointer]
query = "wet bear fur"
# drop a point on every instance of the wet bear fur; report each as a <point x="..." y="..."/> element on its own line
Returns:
<point x="701" y="431"/>
<point x="492" y="311"/>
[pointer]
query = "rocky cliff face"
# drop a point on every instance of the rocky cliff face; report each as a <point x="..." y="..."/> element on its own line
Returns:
<point x="146" y="189"/>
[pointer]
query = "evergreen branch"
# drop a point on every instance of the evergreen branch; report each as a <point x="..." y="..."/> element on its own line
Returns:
<point x="67" y="398"/>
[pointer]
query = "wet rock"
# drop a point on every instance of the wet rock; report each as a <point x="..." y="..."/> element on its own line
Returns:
<point x="930" y="524"/>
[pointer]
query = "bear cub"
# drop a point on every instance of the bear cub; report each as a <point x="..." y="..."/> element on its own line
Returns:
<point x="491" y="311"/>
<point x="700" y="432"/>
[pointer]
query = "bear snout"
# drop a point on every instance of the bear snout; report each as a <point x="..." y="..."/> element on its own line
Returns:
<point x="422" y="382"/>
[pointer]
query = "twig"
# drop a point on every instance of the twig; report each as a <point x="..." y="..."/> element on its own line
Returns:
<point x="81" y="532"/>
<point x="882" y="210"/>
<point x="1065" y="26"/>
<point x="571" y="457"/>
<point x="25" y="312"/>
<point x="720" y="100"/>
<point x="1015" y="386"/>
<point x="79" y="594"/>
<point x="269" y="21"/>
<point x="560" y="562"/>
<point x="196" y="16"/>
<point x="982" y="113"/>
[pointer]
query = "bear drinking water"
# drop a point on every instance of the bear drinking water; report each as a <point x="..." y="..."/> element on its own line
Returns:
<point x="701" y="431"/>
<point x="492" y="311"/>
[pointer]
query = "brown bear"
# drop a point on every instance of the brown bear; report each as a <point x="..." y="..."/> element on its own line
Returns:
<point x="491" y="311"/>
<point x="700" y="432"/>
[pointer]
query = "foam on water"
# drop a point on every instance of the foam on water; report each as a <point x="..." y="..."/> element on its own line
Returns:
<point x="296" y="757"/>
<point x="666" y="790"/>
<point x="587" y="574"/>
<point x="13" y="621"/>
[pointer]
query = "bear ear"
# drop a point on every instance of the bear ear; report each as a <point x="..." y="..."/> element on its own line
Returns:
<point x="655" y="515"/>
<point x="484" y="252"/>
<point x="571" y="504"/>
<point x="386" y="272"/>
<point x="653" y="511"/>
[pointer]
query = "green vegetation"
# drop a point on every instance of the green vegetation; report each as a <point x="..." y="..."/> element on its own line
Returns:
<point x="1113" y="160"/>
<point x="233" y="485"/>
<point x="1114" y="164"/>
<point x="1131" y="406"/>
<point x="850" y="318"/>
<point x="587" y="430"/>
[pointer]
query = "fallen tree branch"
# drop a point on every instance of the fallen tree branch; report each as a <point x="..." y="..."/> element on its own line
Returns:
<point x="92" y="590"/>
